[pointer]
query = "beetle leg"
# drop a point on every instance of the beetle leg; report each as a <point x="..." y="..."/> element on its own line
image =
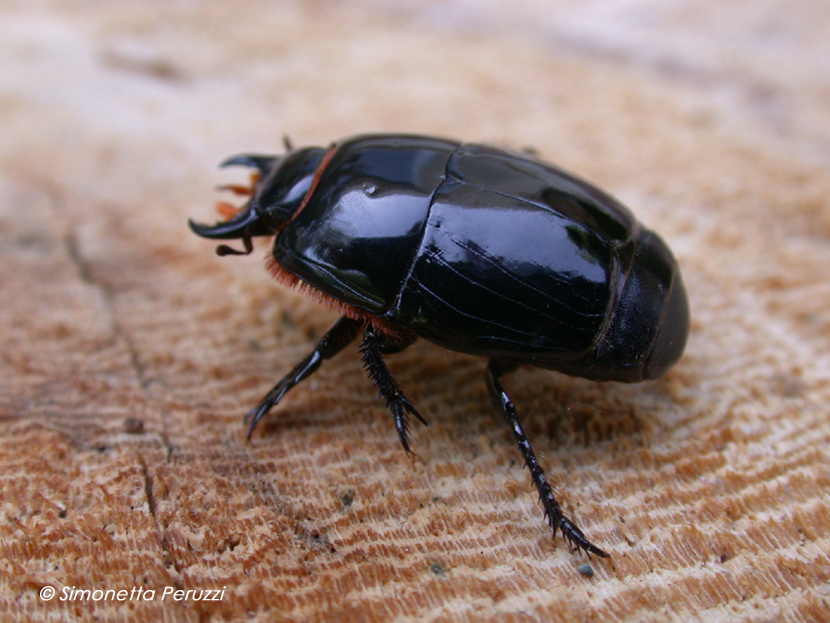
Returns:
<point x="553" y="512"/>
<point x="336" y="338"/>
<point x="371" y="352"/>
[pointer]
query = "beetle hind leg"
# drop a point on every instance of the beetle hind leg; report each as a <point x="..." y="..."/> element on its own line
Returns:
<point x="553" y="512"/>
<point x="341" y="333"/>
<point x="372" y="350"/>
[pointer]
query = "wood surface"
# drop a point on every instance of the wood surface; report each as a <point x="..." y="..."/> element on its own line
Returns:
<point x="130" y="350"/>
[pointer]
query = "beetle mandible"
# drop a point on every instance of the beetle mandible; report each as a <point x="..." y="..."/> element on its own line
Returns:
<point x="477" y="249"/>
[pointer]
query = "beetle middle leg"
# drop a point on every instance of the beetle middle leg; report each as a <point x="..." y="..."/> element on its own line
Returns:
<point x="372" y="349"/>
<point x="340" y="335"/>
<point x="553" y="512"/>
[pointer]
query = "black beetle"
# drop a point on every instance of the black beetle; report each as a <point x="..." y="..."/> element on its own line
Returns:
<point x="477" y="249"/>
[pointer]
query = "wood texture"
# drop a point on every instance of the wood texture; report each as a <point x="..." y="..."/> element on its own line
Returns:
<point x="710" y="488"/>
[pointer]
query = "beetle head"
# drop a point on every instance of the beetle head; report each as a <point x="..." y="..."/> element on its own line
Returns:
<point x="278" y="193"/>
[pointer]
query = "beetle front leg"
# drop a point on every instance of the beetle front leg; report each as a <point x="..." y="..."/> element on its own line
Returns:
<point x="341" y="333"/>
<point x="371" y="352"/>
<point x="553" y="512"/>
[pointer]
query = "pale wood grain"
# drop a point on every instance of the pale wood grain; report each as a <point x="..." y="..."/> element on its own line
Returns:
<point x="709" y="487"/>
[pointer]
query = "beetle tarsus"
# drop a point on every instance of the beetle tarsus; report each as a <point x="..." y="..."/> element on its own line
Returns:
<point x="553" y="512"/>
<point x="576" y="538"/>
<point x="371" y="353"/>
<point x="341" y="333"/>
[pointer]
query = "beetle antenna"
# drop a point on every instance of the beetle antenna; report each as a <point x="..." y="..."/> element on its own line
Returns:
<point x="287" y="142"/>
<point x="224" y="249"/>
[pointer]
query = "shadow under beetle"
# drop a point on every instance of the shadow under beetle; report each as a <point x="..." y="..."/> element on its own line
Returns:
<point x="477" y="249"/>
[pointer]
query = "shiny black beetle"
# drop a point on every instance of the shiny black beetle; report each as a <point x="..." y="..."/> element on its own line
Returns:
<point x="477" y="249"/>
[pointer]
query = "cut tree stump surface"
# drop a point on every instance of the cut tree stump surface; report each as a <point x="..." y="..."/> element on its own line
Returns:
<point x="130" y="350"/>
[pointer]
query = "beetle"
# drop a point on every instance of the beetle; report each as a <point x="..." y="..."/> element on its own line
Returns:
<point x="480" y="250"/>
